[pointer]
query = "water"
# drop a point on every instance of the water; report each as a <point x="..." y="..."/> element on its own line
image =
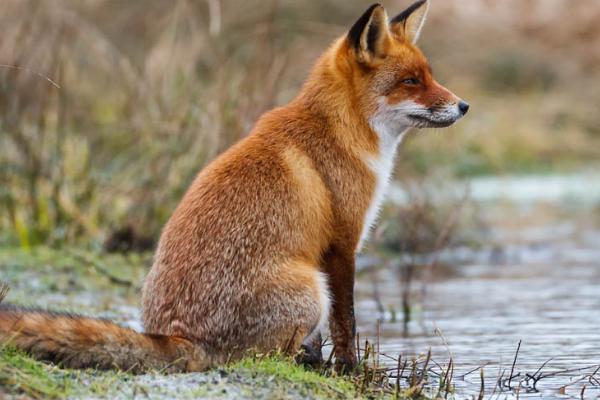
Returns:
<point x="536" y="279"/>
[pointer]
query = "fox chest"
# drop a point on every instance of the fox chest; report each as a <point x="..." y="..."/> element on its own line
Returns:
<point x="382" y="167"/>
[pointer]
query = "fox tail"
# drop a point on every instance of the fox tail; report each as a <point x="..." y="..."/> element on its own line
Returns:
<point x="79" y="342"/>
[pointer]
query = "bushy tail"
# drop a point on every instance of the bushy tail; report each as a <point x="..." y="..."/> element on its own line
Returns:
<point x="80" y="342"/>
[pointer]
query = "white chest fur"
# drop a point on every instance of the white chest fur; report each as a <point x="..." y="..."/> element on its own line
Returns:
<point x="382" y="167"/>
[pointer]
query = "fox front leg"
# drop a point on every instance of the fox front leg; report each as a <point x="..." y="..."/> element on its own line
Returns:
<point x="339" y="266"/>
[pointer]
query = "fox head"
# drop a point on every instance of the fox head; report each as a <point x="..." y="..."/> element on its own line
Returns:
<point x="390" y="76"/>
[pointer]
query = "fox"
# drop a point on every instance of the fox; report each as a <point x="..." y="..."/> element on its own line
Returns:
<point x="259" y="255"/>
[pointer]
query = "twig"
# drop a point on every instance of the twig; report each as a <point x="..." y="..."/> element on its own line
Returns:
<point x="592" y="379"/>
<point x="512" y="370"/>
<point x="449" y="375"/>
<point x="398" y="376"/>
<point x="102" y="270"/>
<point x="19" y="68"/>
<point x="482" y="388"/>
<point x="4" y="288"/>
<point x="463" y="376"/>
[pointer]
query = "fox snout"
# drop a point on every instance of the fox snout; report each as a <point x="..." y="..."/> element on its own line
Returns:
<point x="439" y="107"/>
<point x="435" y="107"/>
<point x="440" y="116"/>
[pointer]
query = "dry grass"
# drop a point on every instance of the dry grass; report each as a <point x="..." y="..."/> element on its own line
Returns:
<point x="110" y="108"/>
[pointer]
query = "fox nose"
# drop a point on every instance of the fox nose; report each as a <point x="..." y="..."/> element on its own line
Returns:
<point x="463" y="106"/>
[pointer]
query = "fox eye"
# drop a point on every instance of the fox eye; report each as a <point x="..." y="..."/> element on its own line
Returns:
<point x="410" y="81"/>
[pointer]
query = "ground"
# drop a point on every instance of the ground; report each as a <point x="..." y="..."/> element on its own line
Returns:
<point x="108" y="286"/>
<point x="268" y="378"/>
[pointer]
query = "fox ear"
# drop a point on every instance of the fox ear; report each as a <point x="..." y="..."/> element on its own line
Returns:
<point x="370" y="36"/>
<point x="407" y="25"/>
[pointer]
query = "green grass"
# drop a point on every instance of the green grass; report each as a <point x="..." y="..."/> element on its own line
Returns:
<point x="308" y="383"/>
<point x="268" y="377"/>
<point x="20" y="374"/>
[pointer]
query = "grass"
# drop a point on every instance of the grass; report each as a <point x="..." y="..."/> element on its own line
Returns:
<point x="309" y="384"/>
<point x="20" y="374"/>
<point x="271" y="377"/>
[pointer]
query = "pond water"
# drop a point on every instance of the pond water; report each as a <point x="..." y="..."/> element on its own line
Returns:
<point x="535" y="279"/>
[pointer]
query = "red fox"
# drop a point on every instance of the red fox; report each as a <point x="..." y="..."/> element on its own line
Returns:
<point x="260" y="253"/>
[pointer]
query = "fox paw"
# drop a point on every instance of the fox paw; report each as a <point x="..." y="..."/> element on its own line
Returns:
<point x="345" y="365"/>
<point x="309" y="356"/>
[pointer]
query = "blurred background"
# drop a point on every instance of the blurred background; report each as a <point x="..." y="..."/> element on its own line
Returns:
<point x="109" y="108"/>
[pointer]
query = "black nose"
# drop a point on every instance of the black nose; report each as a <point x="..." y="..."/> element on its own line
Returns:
<point x="463" y="106"/>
